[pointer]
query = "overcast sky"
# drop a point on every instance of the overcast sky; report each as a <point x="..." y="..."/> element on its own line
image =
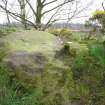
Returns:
<point x="96" y="5"/>
<point x="93" y="6"/>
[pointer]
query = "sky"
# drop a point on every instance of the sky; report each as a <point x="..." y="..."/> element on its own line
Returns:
<point x="94" y="6"/>
<point x="81" y="18"/>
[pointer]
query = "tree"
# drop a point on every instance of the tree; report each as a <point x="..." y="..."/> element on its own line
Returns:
<point x="5" y="2"/>
<point x="99" y="17"/>
<point x="97" y="20"/>
<point x="103" y="5"/>
<point x="52" y="10"/>
<point x="40" y="12"/>
<point x="23" y="13"/>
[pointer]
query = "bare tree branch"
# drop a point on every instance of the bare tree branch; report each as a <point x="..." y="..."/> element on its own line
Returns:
<point x="62" y="4"/>
<point x="65" y="10"/>
<point x="103" y="6"/>
<point x="50" y="2"/>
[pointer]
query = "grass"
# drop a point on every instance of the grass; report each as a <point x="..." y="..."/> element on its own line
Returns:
<point x="78" y="36"/>
<point x="9" y="94"/>
<point x="7" y="30"/>
<point x="98" y="52"/>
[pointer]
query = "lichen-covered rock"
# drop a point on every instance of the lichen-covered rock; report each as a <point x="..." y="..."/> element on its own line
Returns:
<point x="32" y="64"/>
<point x="25" y="66"/>
<point x="32" y="41"/>
<point x="28" y="54"/>
<point x="57" y="85"/>
<point x="27" y="62"/>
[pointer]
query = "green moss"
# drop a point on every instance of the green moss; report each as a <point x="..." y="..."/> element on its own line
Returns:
<point x="32" y="41"/>
<point x="54" y="85"/>
<point x="4" y="49"/>
<point x="55" y="32"/>
<point x="57" y="85"/>
<point x="6" y="31"/>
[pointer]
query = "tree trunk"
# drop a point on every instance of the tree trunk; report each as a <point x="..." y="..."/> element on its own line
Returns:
<point x="23" y="13"/>
<point x="39" y="13"/>
<point x="7" y="15"/>
<point x="9" y="23"/>
<point x="8" y="19"/>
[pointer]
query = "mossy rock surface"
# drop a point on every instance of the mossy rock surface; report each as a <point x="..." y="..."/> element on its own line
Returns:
<point x="32" y="41"/>
<point x="29" y="52"/>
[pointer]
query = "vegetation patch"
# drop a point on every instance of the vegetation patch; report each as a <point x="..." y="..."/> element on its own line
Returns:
<point x="40" y="71"/>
